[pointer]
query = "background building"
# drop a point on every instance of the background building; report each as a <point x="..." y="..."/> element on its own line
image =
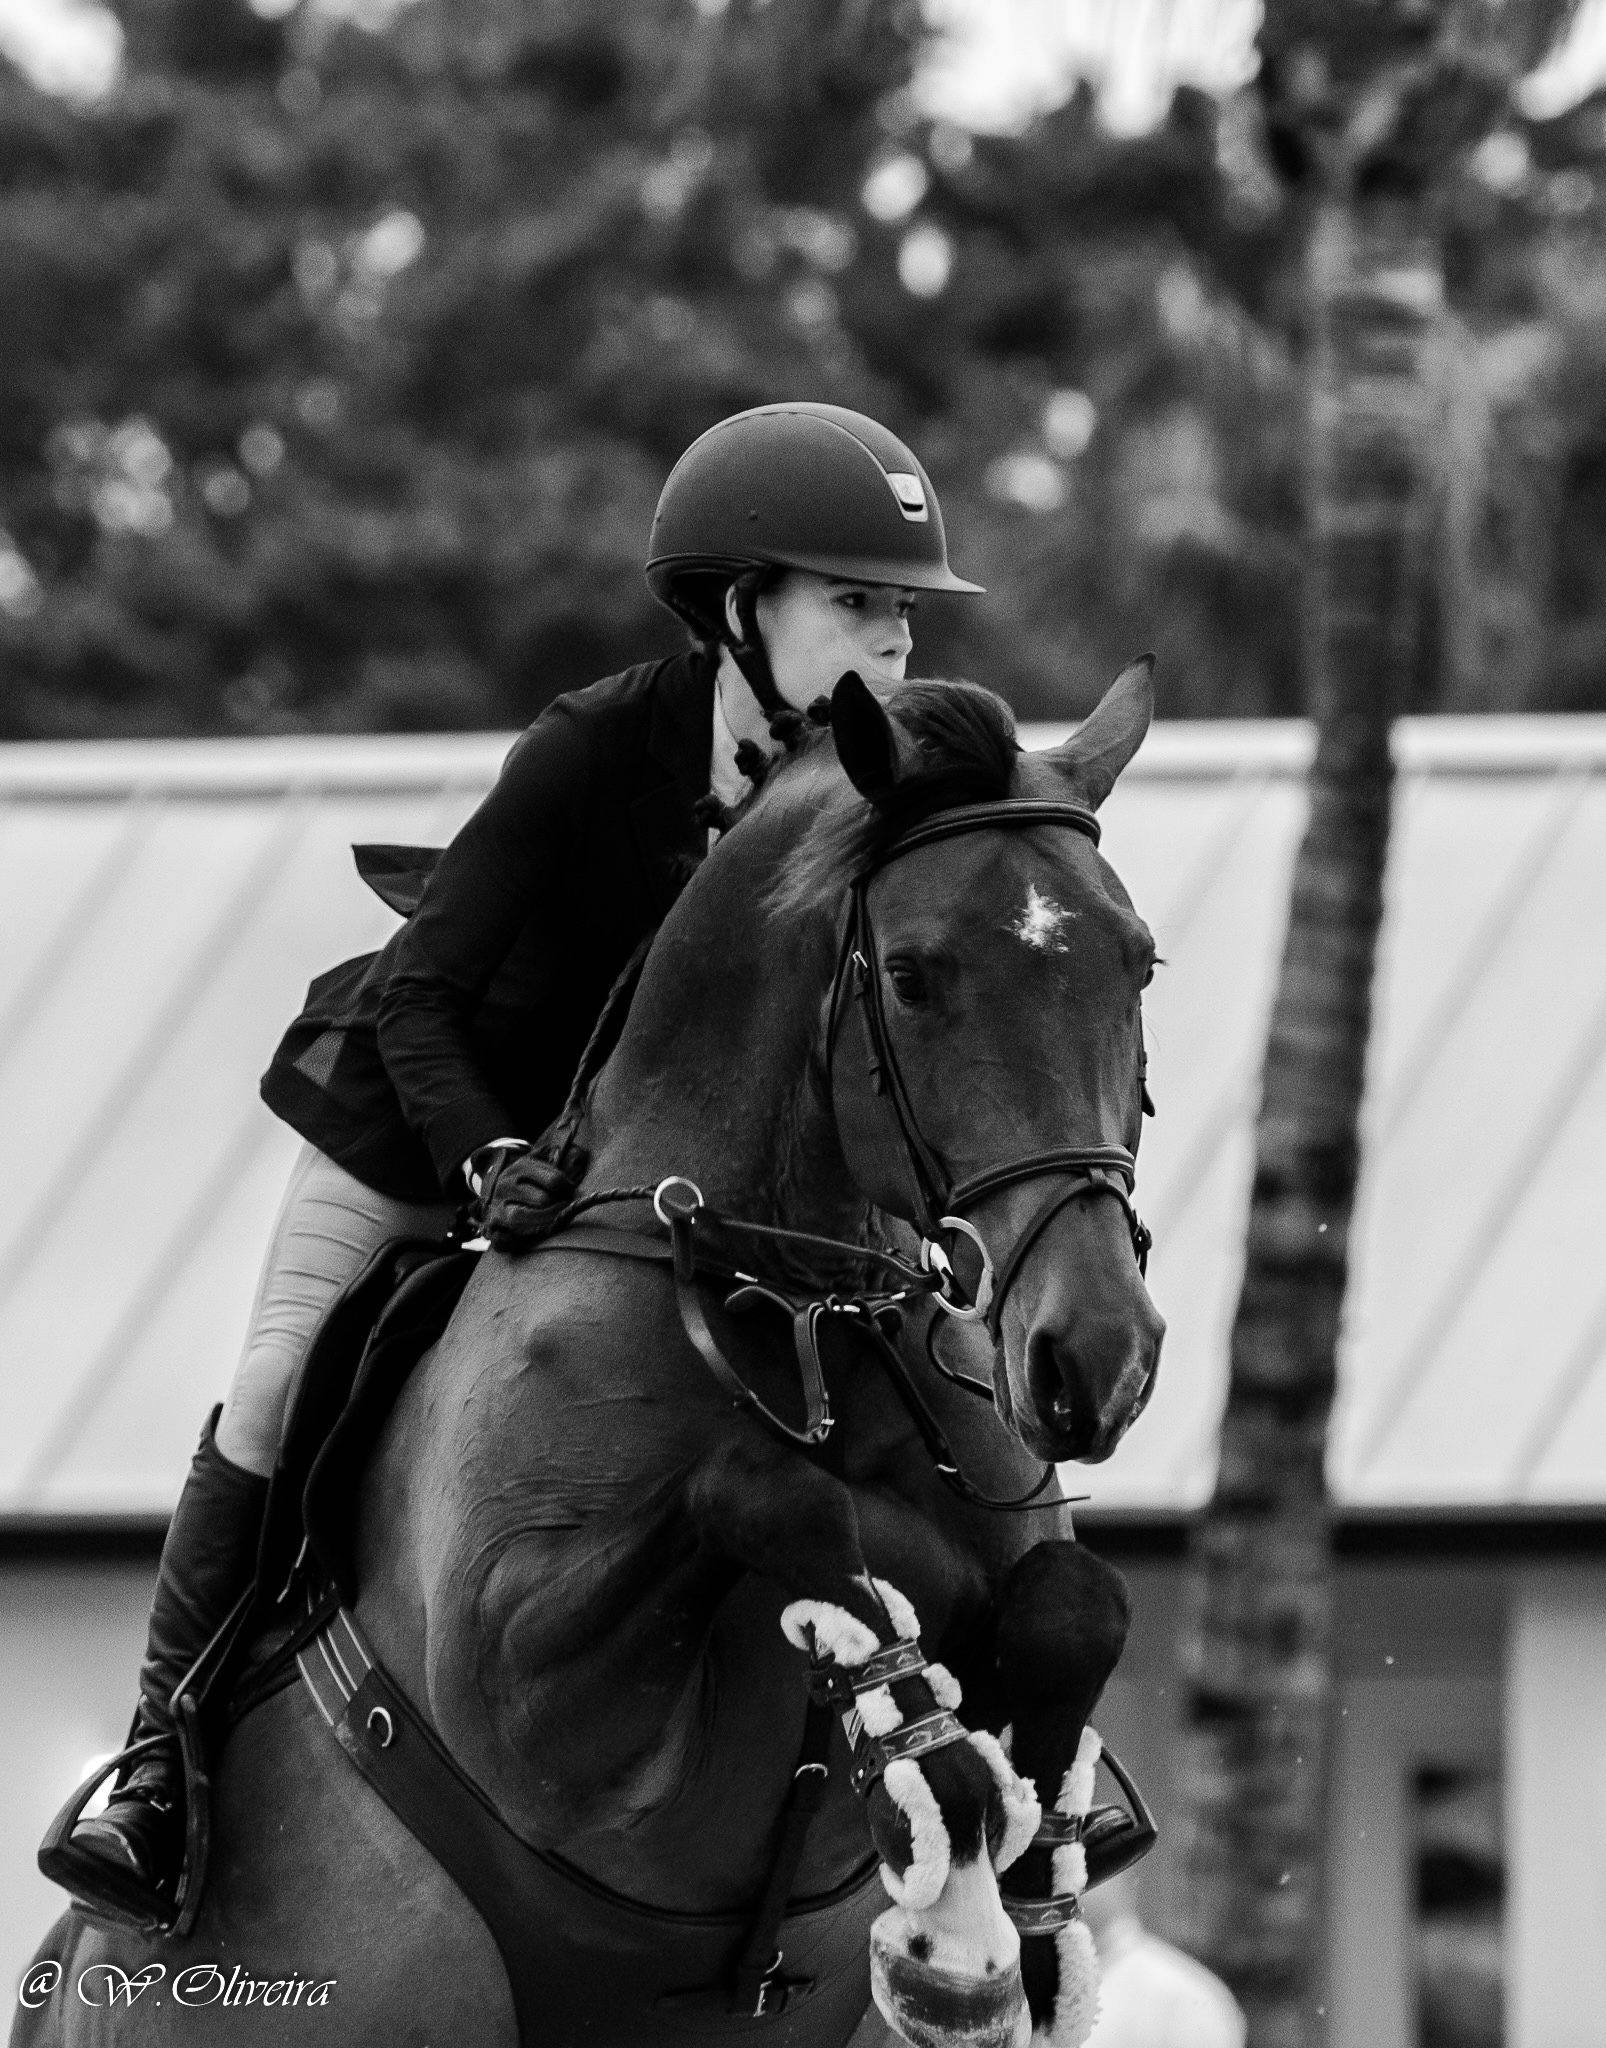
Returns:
<point x="163" y="906"/>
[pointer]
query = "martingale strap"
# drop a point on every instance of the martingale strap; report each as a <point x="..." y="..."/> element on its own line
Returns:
<point x="817" y="1416"/>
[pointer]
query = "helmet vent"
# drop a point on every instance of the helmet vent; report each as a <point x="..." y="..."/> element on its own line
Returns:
<point x="910" y="494"/>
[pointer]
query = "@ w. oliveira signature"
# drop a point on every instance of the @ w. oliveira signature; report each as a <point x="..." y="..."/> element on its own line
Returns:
<point x="109" y="1984"/>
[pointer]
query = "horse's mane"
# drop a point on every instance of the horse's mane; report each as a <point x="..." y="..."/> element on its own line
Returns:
<point x="965" y="738"/>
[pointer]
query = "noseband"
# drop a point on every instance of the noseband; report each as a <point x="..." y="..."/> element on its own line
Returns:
<point x="940" y="1204"/>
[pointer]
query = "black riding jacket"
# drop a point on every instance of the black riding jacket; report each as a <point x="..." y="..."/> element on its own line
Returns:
<point x="470" y="1023"/>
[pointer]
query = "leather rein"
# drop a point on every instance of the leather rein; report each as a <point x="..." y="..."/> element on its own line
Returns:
<point x="939" y="1204"/>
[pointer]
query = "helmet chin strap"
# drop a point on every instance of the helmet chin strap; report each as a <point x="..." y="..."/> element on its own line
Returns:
<point x="748" y="652"/>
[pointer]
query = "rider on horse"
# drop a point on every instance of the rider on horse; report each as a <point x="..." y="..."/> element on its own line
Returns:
<point x="791" y="540"/>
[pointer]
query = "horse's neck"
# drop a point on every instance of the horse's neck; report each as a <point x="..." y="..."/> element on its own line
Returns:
<point x="719" y="1073"/>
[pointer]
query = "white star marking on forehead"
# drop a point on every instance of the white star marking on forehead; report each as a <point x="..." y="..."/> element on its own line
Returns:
<point x="1041" y="922"/>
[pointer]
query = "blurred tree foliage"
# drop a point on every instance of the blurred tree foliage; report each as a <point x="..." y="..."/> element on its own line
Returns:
<point x="341" y="368"/>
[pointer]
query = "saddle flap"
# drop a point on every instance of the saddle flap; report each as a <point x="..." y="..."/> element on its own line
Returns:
<point x="371" y="1336"/>
<point x="428" y="1290"/>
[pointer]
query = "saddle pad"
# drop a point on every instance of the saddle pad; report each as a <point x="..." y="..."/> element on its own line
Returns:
<point x="586" y="1966"/>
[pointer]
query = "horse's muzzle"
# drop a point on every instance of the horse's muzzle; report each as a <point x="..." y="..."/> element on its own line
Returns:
<point x="1082" y="1397"/>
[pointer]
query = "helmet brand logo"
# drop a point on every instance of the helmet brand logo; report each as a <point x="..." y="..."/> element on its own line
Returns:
<point x="909" y="493"/>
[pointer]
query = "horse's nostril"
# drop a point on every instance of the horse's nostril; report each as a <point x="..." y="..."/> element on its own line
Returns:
<point x="1054" y="1393"/>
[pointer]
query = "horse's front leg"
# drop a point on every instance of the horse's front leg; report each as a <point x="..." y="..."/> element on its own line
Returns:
<point x="945" y="1808"/>
<point x="1061" y="1622"/>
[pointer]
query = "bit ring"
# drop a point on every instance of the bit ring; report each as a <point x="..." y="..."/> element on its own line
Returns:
<point x="934" y="1259"/>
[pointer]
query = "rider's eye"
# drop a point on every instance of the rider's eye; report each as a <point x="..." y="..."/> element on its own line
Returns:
<point x="908" y="983"/>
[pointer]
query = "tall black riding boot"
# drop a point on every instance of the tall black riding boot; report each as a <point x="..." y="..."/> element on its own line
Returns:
<point x="131" y="1854"/>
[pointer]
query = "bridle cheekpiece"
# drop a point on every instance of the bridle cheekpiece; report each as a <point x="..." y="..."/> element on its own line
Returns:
<point x="939" y="1204"/>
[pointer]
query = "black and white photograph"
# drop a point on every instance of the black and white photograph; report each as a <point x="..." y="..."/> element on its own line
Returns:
<point x="803" y="1023"/>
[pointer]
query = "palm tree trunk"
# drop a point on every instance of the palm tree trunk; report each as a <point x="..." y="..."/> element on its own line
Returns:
<point x="1257" y="1651"/>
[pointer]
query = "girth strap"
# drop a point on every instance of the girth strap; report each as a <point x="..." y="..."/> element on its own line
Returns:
<point x="757" y="1980"/>
<point x="418" y="1779"/>
<point x="501" y="1875"/>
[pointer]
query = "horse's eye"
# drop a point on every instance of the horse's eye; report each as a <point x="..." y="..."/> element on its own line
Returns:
<point x="908" y="983"/>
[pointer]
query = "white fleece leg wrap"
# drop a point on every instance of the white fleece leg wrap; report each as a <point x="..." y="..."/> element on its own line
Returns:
<point x="921" y="1884"/>
<point x="836" y="1632"/>
<point x="850" y="1641"/>
<point x="1076" y="1787"/>
<point x="944" y="1686"/>
<point x="1022" y="1811"/>
<point x="840" y="1635"/>
<point x="900" y="1610"/>
<point x="1076" y="2004"/>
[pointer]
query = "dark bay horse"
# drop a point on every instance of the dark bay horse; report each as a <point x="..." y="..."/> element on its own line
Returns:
<point x="594" y="1574"/>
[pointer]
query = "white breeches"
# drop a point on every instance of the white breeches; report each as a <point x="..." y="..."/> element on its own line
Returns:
<point x="328" y="1226"/>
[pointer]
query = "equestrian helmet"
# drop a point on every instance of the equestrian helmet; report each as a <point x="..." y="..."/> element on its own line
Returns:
<point x="796" y="486"/>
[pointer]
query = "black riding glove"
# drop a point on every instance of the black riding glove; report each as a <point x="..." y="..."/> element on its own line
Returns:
<point x="518" y="1196"/>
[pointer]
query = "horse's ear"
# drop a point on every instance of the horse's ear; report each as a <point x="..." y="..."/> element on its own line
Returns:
<point x="1106" y="740"/>
<point x="871" y="746"/>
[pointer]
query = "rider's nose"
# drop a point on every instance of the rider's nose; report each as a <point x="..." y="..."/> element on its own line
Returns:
<point x="899" y="640"/>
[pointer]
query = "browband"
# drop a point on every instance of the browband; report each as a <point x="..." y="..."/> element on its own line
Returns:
<point x="1016" y="811"/>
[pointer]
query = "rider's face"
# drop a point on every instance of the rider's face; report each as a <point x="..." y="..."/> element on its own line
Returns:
<point x="815" y="627"/>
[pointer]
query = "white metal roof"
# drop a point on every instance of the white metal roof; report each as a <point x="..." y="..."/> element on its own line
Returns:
<point x="163" y="905"/>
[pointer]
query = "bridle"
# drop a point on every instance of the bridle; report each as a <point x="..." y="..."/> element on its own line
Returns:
<point x="939" y="1205"/>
